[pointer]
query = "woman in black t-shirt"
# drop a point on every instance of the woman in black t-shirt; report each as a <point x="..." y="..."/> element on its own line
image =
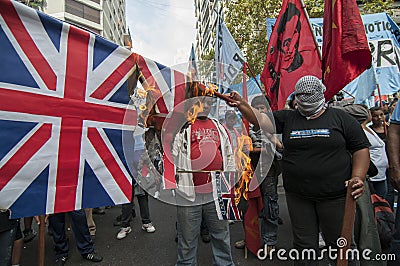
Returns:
<point x="324" y="149"/>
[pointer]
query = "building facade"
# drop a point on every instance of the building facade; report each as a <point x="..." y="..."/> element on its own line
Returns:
<point x="206" y="12"/>
<point x="104" y="17"/>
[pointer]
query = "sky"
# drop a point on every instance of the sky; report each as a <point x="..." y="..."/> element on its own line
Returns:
<point x="162" y="30"/>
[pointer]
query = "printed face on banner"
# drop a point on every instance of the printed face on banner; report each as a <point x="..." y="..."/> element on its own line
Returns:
<point x="288" y="43"/>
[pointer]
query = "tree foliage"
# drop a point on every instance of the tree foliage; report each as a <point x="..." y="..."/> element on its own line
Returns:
<point x="36" y="4"/>
<point x="246" y="20"/>
<point x="376" y="6"/>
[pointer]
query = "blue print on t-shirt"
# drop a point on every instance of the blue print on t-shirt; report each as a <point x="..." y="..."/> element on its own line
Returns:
<point x="309" y="133"/>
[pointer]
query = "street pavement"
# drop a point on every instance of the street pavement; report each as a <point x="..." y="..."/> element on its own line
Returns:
<point x="158" y="248"/>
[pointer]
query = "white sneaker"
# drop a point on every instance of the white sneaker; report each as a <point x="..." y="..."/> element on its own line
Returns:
<point x="149" y="228"/>
<point x="124" y="232"/>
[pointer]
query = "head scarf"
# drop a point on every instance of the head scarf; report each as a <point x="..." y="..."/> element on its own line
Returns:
<point x="309" y="94"/>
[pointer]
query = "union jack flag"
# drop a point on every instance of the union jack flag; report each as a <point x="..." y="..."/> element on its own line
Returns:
<point x="63" y="111"/>
<point x="224" y="187"/>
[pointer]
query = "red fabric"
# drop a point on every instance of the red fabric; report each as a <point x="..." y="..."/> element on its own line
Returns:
<point x="250" y="219"/>
<point x="205" y="153"/>
<point x="291" y="54"/>
<point x="345" y="49"/>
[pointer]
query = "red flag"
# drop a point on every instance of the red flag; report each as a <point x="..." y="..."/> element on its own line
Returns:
<point x="291" y="54"/>
<point x="345" y="47"/>
<point x="250" y="220"/>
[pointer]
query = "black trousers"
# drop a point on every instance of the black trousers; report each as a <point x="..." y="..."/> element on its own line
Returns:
<point x="308" y="217"/>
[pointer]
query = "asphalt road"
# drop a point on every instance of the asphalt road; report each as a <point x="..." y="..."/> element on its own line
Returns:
<point x="158" y="248"/>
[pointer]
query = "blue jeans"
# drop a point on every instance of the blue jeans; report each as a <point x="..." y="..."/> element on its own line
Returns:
<point x="270" y="213"/>
<point x="80" y="228"/>
<point x="189" y="220"/>
<point x="6" y="246"/>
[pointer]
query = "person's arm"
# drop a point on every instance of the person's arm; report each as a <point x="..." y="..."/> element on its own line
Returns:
<point x="252" y="115"/>
<point x="392" y="148"/>
<point x="360" y="164"/>
<point x="275" y="141"/>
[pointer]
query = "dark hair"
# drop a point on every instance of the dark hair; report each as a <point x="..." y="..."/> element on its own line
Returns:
<point x="261" y="99"/>
<point x="376" y="108"/>
<point x="230" y="113"/>
<point x="394" y="101"/>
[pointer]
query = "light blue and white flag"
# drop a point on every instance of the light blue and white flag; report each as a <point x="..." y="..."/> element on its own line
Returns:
<point x="228" y="57"/>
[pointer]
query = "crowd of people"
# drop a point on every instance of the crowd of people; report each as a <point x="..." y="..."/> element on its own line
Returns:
<point x="318" y="149"/>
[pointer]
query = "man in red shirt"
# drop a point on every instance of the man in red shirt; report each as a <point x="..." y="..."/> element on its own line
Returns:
<point x="201" y="151"/>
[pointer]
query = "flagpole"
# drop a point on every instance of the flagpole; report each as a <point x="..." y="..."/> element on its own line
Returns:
<point x="41" y="247"/>
<point x="254" y="76"/>
<point x="309" y="24"/>
<point x="348" y="93"/>
<point x="245" y="96"/>
<point x="380" y="96"/>
<point x="381" y="105"/>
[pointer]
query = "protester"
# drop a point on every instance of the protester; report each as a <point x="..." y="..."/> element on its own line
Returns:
<point x="378" y="122"/>
<point x="325" y="148"/>
<point x="201" y="150"/>
<point x="128" y="209"/>
<point x="385" y="108"/>
<point x="393" y="148"/>
<point x="264" y="159"/>
<point x="378" y="126"/>
<point x="83" y="240"/>
<point x="377" y="149"/>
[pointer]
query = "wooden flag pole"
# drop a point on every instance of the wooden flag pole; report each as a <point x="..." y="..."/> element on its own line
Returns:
<point x="41" y="246"/>
<point x="245" y="95"/>
<point x="347" y="228"/>
<point x="254" y="76"/>
<point x="381" y="105"/>
<point x="309" y="23"/>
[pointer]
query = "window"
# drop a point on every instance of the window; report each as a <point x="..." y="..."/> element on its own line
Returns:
<point x="83" y="11"/>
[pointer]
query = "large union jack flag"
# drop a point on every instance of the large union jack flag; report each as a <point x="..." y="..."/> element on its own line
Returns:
<point x="63" y="110"/>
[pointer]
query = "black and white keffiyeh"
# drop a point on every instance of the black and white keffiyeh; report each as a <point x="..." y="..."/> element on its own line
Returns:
<point x="309" y="94"/>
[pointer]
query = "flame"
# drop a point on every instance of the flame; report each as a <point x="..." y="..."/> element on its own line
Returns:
<point x="198" y="89"/>
<point x="243" y="164"/>
<point x="142" y="93"/>
<point x="194" y="110"/>
<point x="146" y="108"/>
<point x="211" y="89"/>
